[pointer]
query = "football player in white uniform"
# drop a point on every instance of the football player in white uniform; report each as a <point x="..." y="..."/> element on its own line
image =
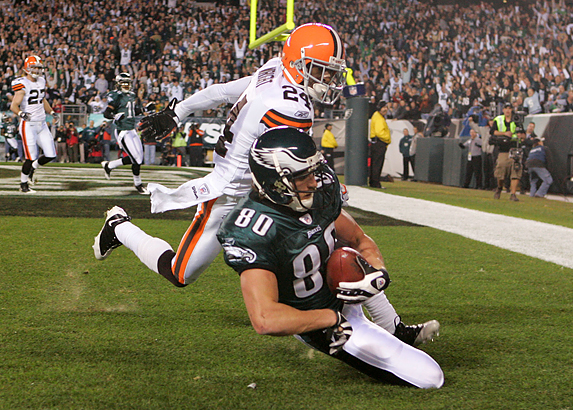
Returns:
<point x="280" y="93"/>
<point x="30" y="104"/>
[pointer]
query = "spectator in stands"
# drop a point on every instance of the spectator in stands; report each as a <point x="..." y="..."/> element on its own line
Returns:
<point x="87" y="139"/>
<point x="73" y="141"/>
<point x="61" y="144"/>
<point x="104" y="136"/>
<point x="532" y="102"/>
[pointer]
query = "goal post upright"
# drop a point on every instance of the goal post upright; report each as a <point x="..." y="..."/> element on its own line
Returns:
<point x="278" y="34"/>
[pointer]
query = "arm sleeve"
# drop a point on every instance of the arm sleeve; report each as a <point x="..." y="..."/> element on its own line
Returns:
<point x="212" y="96"/>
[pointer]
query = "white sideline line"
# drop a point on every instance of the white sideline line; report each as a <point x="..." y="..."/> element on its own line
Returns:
<point x="540" y="240"/>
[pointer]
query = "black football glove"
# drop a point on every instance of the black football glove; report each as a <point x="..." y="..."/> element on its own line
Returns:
<point x="157" y="126"/>
<point x="338" y="334"/>
<point x="461" y="144"/>
<point x="374" y="282"/>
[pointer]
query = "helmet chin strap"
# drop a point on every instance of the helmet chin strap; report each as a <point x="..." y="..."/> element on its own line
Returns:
<point x="303" y="205"/>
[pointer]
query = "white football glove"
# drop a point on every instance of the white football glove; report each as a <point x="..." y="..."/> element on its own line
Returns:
<point x="374" y="282"/>
<point x="338" y="334"/>
<point x="24" y="115"/>
<point x="118" y="116"/>
<point x="55" y="118"/>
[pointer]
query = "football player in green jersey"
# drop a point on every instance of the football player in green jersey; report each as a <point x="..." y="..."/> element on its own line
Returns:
<point x="122" y="108"/>
<point x="279" y="238"/>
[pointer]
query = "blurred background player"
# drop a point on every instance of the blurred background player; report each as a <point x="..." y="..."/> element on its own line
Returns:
<point x="122" y="108"/>
<point x="29" y="103"/>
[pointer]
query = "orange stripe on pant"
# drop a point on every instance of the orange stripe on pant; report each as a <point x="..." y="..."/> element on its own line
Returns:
<point x="25" y="143"/>
<point x="190" y="239"/>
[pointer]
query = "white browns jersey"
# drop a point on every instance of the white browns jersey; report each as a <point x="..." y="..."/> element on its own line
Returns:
<point x="33" y="102"/>
<point x="269" y="100"/>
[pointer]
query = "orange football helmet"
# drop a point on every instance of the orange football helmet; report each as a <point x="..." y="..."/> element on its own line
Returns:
<point x="313" y="56"/>
<point x="34" y="66"/>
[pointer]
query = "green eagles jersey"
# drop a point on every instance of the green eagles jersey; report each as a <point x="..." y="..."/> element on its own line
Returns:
<point x="125" y="103"/>
<point x="293" y="246"/>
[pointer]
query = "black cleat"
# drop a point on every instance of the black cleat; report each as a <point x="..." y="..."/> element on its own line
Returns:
<point x="25" y="188"/>
<point x="141" y="189"/>
<point x="31" y="179"/>
<point x="415" y="335"/>
<point x="106" y="241"/>
<point x="106" y="169"/>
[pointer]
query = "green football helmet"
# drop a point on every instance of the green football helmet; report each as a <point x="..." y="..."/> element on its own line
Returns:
<point x="283" y="154"/>
<point x="123" y="82"/>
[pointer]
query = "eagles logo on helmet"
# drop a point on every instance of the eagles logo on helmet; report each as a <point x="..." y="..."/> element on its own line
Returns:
<point x="313" y="56"/>
<point x="34" y="67"/>
<point x="280" y="156"/>
<point x="123" y="82"/>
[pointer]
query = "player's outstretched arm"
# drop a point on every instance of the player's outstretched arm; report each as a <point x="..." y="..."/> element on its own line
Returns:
<point x="212" y="97"/>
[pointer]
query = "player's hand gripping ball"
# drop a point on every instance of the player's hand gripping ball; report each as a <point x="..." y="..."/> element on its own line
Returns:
<point x="351" y="278"/>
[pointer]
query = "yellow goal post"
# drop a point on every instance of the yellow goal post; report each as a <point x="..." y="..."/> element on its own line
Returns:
<point x="278" y="34"/>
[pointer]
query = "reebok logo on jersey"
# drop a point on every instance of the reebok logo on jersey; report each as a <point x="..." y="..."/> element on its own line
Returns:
<point x="313" y="231"/>
<point x="301" y="114"/>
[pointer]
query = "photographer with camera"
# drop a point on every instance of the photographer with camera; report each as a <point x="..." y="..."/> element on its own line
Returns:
<point x="504" y="136"/>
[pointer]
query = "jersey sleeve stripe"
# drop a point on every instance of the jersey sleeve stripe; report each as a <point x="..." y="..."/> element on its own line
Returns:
<point x="17" y="87"/>
<point x="273" y="118"/>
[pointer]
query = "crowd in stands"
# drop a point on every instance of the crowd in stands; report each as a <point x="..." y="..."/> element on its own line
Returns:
<point x="411" y="54"/>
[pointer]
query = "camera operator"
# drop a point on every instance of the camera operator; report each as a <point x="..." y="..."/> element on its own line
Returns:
<point x="537" y="164"/>
<point x="504" y="135"/>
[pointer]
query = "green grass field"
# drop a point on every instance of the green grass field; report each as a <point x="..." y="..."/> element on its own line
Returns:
<point x="76" y="333"/>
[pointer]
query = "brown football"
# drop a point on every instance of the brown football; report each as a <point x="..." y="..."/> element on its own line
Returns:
<point x="343" y="267"/>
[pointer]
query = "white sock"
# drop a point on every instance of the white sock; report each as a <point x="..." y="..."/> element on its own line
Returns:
<point x="147" y="248"/>
<point x="382" y="312"/>
<point x="115" y="163"/>
<point x="137" y="180"/>
<point x="23" y="177"/>
<point x="35" y="164"/>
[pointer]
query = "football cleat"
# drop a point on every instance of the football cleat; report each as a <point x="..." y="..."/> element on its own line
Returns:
<point x="106" y="241"/>
<point x="25" y="188"/>
<point x="31" y="179"/>
<point x="141" y="189"/>
<point x="106" y="169"/>
<point x="416" y="335"/>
